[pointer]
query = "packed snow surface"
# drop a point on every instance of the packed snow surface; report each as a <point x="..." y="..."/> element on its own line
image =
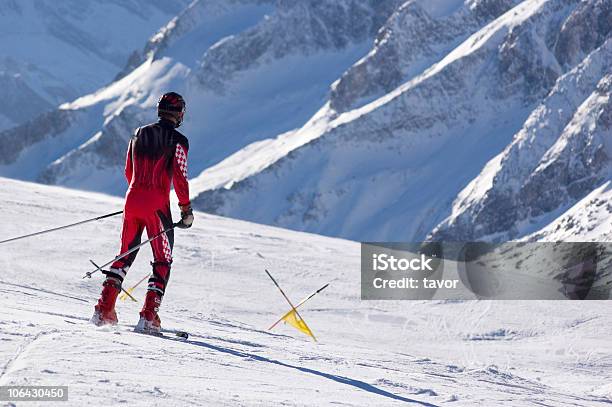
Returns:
<point x="423" y="353"/>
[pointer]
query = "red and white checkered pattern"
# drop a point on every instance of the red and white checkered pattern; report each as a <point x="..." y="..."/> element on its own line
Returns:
<point x="165" y="245"/>
<point x="181" y="159"/>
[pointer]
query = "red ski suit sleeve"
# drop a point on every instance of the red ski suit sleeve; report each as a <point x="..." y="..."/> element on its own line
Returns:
<point x="179" y="176"/>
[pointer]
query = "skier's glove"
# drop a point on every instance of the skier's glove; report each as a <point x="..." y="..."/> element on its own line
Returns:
<point x="186" y="217"/>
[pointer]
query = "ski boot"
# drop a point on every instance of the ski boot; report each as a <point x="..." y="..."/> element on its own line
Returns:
<point x="104" y="311"/>
<point x="149" y="322"/>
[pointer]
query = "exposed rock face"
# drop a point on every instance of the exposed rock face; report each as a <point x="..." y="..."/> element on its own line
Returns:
<point x="590" y="219"/>
<point x="409" y="42"/>
<point x="43" y="127"/>
<point x="579" y="161"/>
<point x="198" y="14"/>
<point x="561" y="154"/>
<point x="584" y="30"/>
<point x="106" y="150"/>
<point x="303" y="27"/>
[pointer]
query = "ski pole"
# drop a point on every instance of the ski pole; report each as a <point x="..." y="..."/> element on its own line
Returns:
<point x="287" y="298"/>
<point x="130" y="290"/>
<point x="122" y="255"/>
<point x="61" y="227"/>
<point x="122" y="289"/>
<point x="300" y="304"/>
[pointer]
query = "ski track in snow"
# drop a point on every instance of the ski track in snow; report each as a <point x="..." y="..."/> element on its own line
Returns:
<point x="422" y="353"/>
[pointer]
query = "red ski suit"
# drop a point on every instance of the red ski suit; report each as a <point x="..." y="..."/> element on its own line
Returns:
<point x="156" y="157"/>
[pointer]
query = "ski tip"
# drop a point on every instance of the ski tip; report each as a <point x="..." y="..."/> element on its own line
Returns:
<point x="182" y="334"/>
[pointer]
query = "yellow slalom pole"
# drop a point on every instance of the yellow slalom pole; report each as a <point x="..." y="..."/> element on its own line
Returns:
<point x="130" y="290"/>
<point x="122" y="289"/>
<point x="299" y="305"/>
<point x="289" y="301"/>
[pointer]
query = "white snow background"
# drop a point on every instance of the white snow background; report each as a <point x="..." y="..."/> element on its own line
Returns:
<point x="311" y="132"/>
<point x="370" y="353"/>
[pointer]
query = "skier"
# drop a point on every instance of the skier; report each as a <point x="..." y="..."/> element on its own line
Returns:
<point x="156" y="156"/>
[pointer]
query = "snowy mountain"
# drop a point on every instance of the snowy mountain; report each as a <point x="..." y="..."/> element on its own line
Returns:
<point x="390" y="168"/>
<point x="587" y="220"/>
<point x="416" y="36"/>
<point x="54" y="51"/>
<point x="393" y="120"/>
<point x="425" y="353"/>
<point x="562" y="153"/>
<point x="249" y="69"/>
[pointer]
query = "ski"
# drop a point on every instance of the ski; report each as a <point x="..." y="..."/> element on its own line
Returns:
<point x="179" y="334"/>
<point x="166" y="333"/>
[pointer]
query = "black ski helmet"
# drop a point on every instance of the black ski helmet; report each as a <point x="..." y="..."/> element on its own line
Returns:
<point x="173" y="104"/>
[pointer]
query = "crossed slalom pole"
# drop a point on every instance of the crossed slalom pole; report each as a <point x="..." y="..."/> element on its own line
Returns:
<point x="293" y="317"/>
<point x="128" y="293"/>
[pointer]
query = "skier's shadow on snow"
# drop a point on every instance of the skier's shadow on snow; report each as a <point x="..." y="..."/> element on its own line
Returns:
<point x="340" y="379"/>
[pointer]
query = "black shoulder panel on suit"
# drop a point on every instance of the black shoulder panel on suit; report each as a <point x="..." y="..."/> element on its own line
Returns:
<point x="182" y="140"/>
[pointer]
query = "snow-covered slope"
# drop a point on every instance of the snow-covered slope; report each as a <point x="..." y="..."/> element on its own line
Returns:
<point x="588" y="220"/>
<point x="426" y="353"/>
<point x="54" y="51"/>
<point x="249" y="69"/>
<point x="389" y="170"/>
